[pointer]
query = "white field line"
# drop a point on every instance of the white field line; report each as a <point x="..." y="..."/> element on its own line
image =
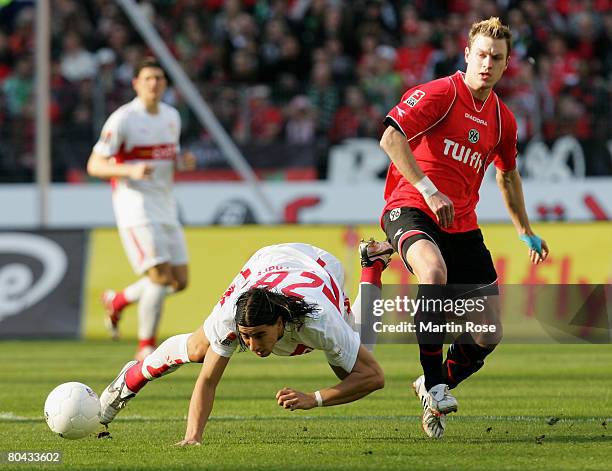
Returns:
<point x="12" y="417"/>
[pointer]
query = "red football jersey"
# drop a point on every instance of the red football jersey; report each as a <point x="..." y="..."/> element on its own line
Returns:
<point x="454" y="138"/>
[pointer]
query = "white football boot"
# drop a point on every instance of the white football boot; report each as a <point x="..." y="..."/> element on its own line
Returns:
<point x="437" y="402"/>
<point x="115" y="396"/>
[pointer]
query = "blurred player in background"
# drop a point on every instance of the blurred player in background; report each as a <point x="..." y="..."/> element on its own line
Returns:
<point x="138" y="150"/>
<point x="440" y="138"/>
<point x="287" y="300"/>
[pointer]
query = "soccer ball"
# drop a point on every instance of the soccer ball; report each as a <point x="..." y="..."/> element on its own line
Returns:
<point x="72" y="410"/>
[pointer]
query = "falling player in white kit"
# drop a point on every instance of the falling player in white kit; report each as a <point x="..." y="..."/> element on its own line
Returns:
<point x="287" y="300"/>
<point x="138" y="150"/>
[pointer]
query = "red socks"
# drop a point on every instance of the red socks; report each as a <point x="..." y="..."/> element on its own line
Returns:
<point x="372" y="274"/>
<point x="150" y="342"/>
<point x="134" y="379"/>
<point x="119" y="301"/>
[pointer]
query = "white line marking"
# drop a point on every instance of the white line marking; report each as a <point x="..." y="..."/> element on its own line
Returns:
<point x="12" y="417"/>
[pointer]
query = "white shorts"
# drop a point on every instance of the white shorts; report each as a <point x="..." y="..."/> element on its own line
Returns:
<point x="153" y="244"/>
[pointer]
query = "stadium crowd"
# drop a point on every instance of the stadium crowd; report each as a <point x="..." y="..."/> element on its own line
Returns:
<point x="300" y="72"/>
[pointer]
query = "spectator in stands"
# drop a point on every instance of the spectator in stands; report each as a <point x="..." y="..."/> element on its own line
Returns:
<point x="530" y="103"/>
<point x="77" y="63"/>
<point x="356" y="118"/>
<point x="382" y="83"/>
<point x="221" y="22"/>
<point x="292" y="64"/>
<point x="261" y="122"/>
<point x="301" y="121"/>
<point x="6" y="56"/>
<point x="603" y="47"/>
<point x="415" y="53"/>
<point x="193" y="46"/>
<point x="275" y="32"/>
<point x="449" y="59"/>
<point x="21" y="40"/>
<point x="323" y="94"/>
<point x="563" y="63"/>
<point x="18" y="87"/>
<point x="226" y="107"/>
<point x="318" y="48"/>
<point x="342" y="65"/>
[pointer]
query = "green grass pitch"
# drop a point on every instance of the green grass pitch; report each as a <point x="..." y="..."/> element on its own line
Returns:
<point x="504" y="419"/>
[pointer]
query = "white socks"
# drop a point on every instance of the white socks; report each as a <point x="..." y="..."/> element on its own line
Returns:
<point x="134" y="291"/>
<point x="168" y="357"/>
<point x="149" y="309"/>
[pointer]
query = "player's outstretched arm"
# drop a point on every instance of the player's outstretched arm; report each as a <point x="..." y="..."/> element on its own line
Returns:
<point x="101" y="167"/>
<point x="511" y="188"/>
<point x="365" y="377"/>
<point x="203" y="396"/>
<point x="395" y="144"/>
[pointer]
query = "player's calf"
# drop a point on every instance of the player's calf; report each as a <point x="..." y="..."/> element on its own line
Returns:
<point x="463" y="358"/>
<point x="168" y="357"/>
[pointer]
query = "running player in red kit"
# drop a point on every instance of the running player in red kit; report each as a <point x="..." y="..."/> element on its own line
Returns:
<point x="440" y="138"/>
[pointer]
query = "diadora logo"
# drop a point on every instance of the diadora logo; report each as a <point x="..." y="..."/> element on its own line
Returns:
<point x="19" y="288"/>
<point x="473" y="136"/>
<point x="475" y="119"/>
<point x="463" y="154"/>
<point x="414" y="98"/>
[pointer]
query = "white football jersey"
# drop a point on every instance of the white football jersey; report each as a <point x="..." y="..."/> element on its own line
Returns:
<point x="131" y="134"/>
<point x="301" y="270"/>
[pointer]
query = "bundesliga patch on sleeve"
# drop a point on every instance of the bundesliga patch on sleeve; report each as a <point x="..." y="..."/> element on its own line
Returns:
<point x="227" y="341"/>
<point x="413" y="99"/>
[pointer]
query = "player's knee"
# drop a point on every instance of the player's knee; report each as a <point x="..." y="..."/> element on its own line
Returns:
<point x="196" y="351"/>
<point x="433" y="275"/>
<point x="492" y="338"/>
<point x="497" y="336"/>
<point x="180" y="285"/>
<point x="161" y="278"/>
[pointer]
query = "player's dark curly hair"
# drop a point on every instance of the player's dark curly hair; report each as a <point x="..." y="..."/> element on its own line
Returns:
<point x="259" y="306"/>
<point x="148" y="61"/>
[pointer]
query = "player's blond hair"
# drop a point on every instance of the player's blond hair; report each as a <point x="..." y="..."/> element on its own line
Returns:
<point x="491" y="28"/>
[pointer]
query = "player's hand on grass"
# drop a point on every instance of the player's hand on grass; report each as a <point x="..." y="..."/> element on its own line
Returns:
<point x="291" y="399"/>
<point x="188" y="442"/>
<point x="442" y="207"/>
<point x="141" y="171"/>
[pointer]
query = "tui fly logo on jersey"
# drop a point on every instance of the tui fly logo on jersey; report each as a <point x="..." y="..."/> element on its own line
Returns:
<point x="473" y="136"/>
<point x="413" y="99"/>
<point x="463" y="154"/>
